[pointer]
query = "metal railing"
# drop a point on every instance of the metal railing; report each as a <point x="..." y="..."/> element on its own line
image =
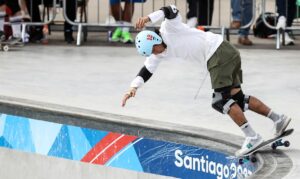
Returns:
<point x="279" y="32"/>
<point x="26" y="24"/>
<point x="223" y="28"/>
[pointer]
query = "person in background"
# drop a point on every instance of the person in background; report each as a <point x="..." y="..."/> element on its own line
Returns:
<point x="36" y="32"/>
<point x="123" y="16"/>
<point x="15" y="18"/>
<point x="241" y="15"/>
<point x="200" y="12"/>
<point x="2" y="19"/>
<point x="287" y="12"/>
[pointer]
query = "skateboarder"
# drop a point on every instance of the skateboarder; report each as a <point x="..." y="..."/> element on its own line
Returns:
<point x="177" y="40"/>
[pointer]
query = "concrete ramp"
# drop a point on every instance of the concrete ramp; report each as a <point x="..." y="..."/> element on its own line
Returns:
<point x="64" y="142"/>
<point x="15" y="164"/>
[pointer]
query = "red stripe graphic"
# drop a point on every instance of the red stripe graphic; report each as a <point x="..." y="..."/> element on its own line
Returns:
<point x="107" y="148"/>
<point x="108" y="139"/>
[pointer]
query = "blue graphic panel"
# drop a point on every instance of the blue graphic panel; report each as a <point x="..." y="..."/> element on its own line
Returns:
<point x="93" y="136"/>
<point x="62" y="147"/>
<point x="183" y="161"/>
<point x="4" y="143"/>
<point x="147" y="155"/>
<point x="79" y="143"/>
<point x="2" y="122"/>
<point x="43" y="143"/>
<point x="17" y="133"/>
<point x="126" y="159"/>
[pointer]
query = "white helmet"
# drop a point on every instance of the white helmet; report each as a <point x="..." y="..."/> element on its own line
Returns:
<point x="145" y="40"/>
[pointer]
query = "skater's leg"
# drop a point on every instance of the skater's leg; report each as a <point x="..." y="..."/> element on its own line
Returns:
<point x="237" y="115"/>
<point x="223" y="102"/>
<point x="281" y="121"/>
<point x="258" y="106"/>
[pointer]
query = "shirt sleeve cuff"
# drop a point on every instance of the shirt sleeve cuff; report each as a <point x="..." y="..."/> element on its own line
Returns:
<point x="156" y="16"/>
<point x="137" y="82"/>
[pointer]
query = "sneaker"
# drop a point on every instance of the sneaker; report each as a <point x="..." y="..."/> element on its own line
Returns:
<point x="69" y="37"/>
<point x="249" y="144"/>
<point x="245" y="41"/>
<point x="281" y="125"/>
<point x="281" y="24"/>
<point x="117" y="34"/>
<point x="126" y="38"/>
<point x="2" y="36"/>
<point x="287" y="39"/>
<point x="235" y="24"/>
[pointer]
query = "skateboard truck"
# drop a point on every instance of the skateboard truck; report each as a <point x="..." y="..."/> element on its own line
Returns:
<point x="246" y="159"/>
<point x="280" y="143"/>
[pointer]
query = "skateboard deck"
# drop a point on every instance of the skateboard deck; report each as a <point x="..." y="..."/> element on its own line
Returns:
<point x="270" y="141"/>
<point x="5" y="45"/>
<point x="275" y="142"/>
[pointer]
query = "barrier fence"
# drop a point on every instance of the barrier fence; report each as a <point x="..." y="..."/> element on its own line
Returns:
<point x="97" y="13"/>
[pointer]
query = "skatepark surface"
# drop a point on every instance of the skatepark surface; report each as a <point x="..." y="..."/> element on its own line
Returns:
<point x="96" y="78"/>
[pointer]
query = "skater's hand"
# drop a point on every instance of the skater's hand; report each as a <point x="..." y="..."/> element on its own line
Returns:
<point x="141" y="22"/>
<point x="129" y="94"/>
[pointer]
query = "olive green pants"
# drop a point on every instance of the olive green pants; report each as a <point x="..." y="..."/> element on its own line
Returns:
<point x="225" y="67"/>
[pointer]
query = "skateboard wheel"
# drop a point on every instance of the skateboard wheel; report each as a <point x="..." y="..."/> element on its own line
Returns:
<point x="241" y="161"/>
<point x="286" y="143"/>
<point x="253" y="159"/>
<point x="274" y="146"/>
<point x="5" y="48"/>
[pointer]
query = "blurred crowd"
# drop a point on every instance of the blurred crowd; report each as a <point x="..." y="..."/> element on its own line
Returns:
<point x="199" y="15"/>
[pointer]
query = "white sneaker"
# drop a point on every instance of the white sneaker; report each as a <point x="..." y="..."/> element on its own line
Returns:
<point x="249" y="144"/>
<point x="281" y="125"/>
<point x="281" y="23"/>
<point x="287" y="39"/>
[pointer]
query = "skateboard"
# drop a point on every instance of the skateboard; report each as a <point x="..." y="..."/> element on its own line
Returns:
<point x="275" y="142"/>
<point x="5" y="45"/>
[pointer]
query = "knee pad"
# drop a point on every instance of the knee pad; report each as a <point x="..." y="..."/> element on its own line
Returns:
<point x="222" y="102"/>
<point x="242" y="100"/>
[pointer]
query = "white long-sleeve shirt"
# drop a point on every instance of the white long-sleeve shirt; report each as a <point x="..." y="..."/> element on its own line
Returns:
<point x="182" y="42"/>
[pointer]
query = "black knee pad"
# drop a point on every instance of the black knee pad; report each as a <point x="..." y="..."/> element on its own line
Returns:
<point x="242" y="100"/>
<point x="222" y="102"/>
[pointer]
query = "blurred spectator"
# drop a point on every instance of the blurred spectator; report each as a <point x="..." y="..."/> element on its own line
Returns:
<point x="200" y="12"/>
<point x="71" y="14"/>
<point x="287" y="12"/>
<point x="15" y="18"/>
<point x="242" y="15"/>
<point x="37" y="33"/>
<point x="2" y="19"/>
<point x="123" y="16"/>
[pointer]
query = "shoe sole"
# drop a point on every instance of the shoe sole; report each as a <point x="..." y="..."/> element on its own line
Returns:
<point x="253" y="147"/>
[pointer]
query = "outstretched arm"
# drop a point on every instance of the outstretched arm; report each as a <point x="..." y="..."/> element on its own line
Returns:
<point x="169" y="12"/>
<point x="142" y="77"/>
